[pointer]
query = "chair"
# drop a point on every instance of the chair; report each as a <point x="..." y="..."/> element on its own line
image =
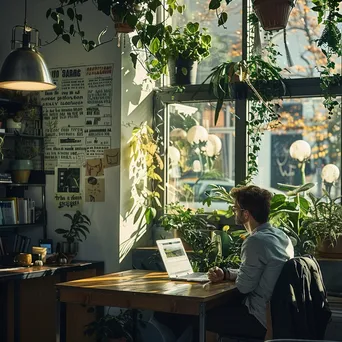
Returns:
<point x="288" y="281"/>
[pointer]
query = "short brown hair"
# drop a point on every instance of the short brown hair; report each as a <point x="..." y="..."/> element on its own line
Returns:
<point x="254" y="199"/>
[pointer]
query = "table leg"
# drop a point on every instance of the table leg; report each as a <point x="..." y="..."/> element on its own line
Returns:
<point x="60" y="319"/>
<point x="16" y="309"/>
<point x="202" y="330"/>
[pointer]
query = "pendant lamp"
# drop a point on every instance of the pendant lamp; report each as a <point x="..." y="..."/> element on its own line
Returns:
<point x="24" y="68"/>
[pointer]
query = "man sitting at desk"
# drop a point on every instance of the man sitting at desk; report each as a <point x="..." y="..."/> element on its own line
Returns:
<point x="263" y="254"/>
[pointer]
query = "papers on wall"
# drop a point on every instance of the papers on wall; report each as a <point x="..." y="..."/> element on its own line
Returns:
<point x="68" y="188"/>
<point x="94" y="189"/>
<point x="77" y="115"/>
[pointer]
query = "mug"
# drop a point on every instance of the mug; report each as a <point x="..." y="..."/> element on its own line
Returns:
<point x="23" y="259"/>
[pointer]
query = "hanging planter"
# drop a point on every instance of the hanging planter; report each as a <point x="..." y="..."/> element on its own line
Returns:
<point x="273" y="14"/>
<point x="123" y="28"/>
<point x="182" y="71"/>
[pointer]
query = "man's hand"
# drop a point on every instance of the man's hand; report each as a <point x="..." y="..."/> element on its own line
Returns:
<point x="215" y="274"/>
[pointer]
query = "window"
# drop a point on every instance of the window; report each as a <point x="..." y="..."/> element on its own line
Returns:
<point x="200" y="153"/>
<point x="302" y="119"/>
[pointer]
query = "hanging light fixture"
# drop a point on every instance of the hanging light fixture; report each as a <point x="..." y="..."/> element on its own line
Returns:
<point x="24" y="68"/>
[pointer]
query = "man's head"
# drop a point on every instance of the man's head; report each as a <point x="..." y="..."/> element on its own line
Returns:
<point x="251" y="204"/>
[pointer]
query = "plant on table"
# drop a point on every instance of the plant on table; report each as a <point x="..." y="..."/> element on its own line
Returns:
<point x="78" y="231"/>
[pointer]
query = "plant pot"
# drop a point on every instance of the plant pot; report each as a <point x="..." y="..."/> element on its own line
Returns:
<point x="327" y="250"/>
<point x="13" y="126"/>
<point x="182" y="71"/>
<point x="273" y="14"/>
<point x="159" y="233"/>
<point x="176" y="234"/>
<point x="69" y="247"/>
<point x="21" y="170"/>
<point x="123" y="28"/>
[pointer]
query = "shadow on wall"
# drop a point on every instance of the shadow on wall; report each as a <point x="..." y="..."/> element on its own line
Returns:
<point x="132" y="225"/>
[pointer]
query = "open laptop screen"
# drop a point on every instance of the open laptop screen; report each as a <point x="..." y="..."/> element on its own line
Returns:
<point x="174" y="257"/>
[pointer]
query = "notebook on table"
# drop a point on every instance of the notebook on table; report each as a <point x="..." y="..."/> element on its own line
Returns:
<point x="176" y="261"/>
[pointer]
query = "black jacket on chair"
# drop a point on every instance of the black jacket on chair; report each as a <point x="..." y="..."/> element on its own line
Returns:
<point x="299" y="306"/>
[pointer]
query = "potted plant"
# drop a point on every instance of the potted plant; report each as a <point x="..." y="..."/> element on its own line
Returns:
<point x="76" y="233"/>
<point x="110" y="328"/>
<point x="175" y="51"/>
<point x="24" y="151"/>
<point x="273" y="14"/>
<point x="325" y="224"/>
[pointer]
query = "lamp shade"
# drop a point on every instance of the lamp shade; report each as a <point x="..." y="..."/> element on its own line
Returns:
<point x="25" y="69"/>
<point x="174" y="155"/>
<point x="216" y="143"/>
<point x="196" y="134"/>
<point x="300" y="150"/>
<point x="330" y="173"/>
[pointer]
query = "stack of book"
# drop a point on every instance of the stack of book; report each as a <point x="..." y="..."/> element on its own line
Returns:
<point x="14" y="210"/>
<point x="5" y="178"/>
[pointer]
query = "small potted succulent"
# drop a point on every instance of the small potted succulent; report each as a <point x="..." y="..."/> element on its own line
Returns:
<point x="78" y="231"/>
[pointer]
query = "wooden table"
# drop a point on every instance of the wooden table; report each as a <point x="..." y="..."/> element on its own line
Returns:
<point x="145" y="290"/>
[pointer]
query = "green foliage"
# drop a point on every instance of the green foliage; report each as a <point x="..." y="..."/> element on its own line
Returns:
<point x="146" y="166"/>
<point x="193" y="228"/>
<point x="113" y="327"/>
<point x="25" y="149"/>
<point x="67" y="18"/>
<point x="164" y="43"/>
<point x="325" y="221"/>
<point x="78" y="229"/>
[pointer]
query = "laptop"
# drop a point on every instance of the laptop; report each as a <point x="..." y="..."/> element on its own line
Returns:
<point x="176" y="261"/>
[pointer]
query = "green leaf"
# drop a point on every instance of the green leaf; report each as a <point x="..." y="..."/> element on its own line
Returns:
<point x="134" y="59"/>
<point x="149" y="17"/>
<point x="214" y="4"/>
<point x="61" y="231"/>
<point x="66" y="38"/>
<point x="79" y="17"/>
<point x="72" y="29"/>
<point x="184" y="71"/>
<point x="301" y="188"/>
<point x="155" y="45"/>
<point x="68" y="216"/>
<point x="150" y="214"/>
<point x="57" y="28"/>
<point x="54" y="16"/>
<point x="180" y="9"/>
<point x="48" y="12"/>
<point x="223" y="17"/>
<point x="131" y="20"/>
<point x="71" y="13"/>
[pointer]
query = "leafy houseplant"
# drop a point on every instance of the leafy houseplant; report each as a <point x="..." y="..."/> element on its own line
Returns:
<point x="325" y="224"/>
<point x="25" y="150"/>
<point x="77" y="231"/>
<point x="127" y="14"/>
<point x="176" y="49"/>
<point x="110" y="328"/>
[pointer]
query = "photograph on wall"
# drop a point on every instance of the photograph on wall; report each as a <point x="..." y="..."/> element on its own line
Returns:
<point x="94" y="189"/>
<point x="77" y="115"/>
<point x="68" y="180"/>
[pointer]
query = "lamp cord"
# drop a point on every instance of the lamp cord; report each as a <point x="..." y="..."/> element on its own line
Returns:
<point x="25" y="20"/>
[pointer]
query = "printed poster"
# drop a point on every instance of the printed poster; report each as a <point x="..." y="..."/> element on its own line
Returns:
<point x="68" y="192"/>
<point x="77" y="115"/>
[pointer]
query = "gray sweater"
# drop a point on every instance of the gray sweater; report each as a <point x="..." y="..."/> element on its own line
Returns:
<point x="263" y="255"/>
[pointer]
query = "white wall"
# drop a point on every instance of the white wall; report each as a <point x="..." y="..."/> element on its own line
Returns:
<point x="103" y="242"/>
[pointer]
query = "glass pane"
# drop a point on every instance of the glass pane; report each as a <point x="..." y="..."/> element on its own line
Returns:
<point x="302" y="31"/>
<point x="226" y="42"/>
<point x="199" y="153"/>
<point x="302" y="119"/>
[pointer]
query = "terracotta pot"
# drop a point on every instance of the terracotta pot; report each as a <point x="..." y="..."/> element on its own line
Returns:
<point x="123" y="28"/>
<point x="273" y="14"/>
<point x="326" y="250"/>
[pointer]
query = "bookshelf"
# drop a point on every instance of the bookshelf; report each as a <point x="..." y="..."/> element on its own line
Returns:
<point x="33" y="191"/>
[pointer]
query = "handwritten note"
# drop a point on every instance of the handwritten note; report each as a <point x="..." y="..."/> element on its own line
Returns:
<point x="68" y="201"/>
<point x="111" y="157"/>
<point x="94" y="189"/>
<point x="94" y="167"/>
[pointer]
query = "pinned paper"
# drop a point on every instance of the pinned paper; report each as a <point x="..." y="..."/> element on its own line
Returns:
<point x="69" y="201"/>
<point x="94" y="189"/>
<point x="94" y="167"/>
<point x="111" y="157"/>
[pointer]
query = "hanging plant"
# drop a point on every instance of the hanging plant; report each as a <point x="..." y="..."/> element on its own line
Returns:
<point x="127" y="14"/>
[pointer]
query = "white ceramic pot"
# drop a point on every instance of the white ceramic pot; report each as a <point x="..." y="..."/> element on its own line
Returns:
<point x="13" y="126"/>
